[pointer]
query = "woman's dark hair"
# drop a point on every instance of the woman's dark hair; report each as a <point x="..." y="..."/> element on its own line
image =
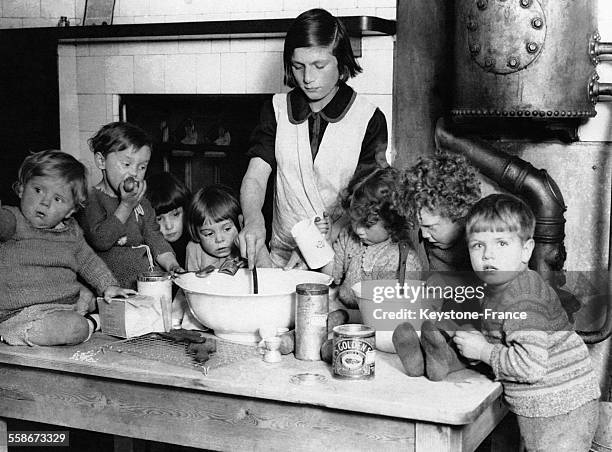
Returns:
<point x="118" y="136"/>
<point x="166" y="193"/>
<point x="212" y="204"/>
<point x="368" y="198"/>
<point x="318" y="28"/>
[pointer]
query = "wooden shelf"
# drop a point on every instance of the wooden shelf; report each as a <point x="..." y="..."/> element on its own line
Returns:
<point x="357" y="26"/>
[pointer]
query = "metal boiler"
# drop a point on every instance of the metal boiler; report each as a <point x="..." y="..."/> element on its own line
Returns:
<point x="526" y="59"/>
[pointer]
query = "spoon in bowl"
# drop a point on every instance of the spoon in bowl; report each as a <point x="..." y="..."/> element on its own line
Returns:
<point x="255" y="282"/>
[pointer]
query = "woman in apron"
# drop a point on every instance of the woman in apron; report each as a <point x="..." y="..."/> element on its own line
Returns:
<point x="313" y="138"/>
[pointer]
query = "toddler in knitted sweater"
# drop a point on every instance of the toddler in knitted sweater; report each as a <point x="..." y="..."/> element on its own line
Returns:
<point x="526" y="338"/>
<point x="42" y="251"/>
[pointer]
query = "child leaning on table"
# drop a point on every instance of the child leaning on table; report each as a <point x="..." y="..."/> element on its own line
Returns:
<point x="42" y="251"/>
<point x="119" y="223"/>
<point x="369" y="248"/>
<point x="543" y="365"/>
<point x="214" y="219"/>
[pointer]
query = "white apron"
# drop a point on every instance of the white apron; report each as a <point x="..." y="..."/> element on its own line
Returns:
<point x="305" y="188"/>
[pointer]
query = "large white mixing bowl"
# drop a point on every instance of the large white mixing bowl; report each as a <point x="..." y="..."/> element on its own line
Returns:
<point x="227" y="304"/>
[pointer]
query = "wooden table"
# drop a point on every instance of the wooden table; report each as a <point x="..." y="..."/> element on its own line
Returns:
<point x="246" y="405"/>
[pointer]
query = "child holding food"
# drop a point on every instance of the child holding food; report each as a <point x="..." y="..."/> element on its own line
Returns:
<point x="42" y="251"/>
<point x="370" y="247"/>
<point x="119" y="223"/>
<point x="526" y="337"/>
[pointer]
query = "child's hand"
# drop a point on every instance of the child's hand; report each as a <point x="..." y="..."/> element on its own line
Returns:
<point x="114" y="291"/>
<point x="132" y="198"/>
<point x="473" y="345"/>
<point x="322" y="223"/>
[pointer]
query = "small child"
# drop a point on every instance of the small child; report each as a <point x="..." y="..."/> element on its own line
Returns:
<point x="119" y="223"/>
<point x="213" y="220"/>
<point x="169" y="198"/>
<point x="42" y="251"/>
<point x="369" y="248"/>
<point x="544" y="366"/>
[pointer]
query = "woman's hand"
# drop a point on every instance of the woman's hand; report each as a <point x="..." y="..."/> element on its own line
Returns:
<point x="252" y="239"/>
<point x="473" y="345"/>
<point x="114" y="291"/>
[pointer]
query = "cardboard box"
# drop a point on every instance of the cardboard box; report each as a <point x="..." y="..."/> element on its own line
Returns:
<point x="130" y="317"/>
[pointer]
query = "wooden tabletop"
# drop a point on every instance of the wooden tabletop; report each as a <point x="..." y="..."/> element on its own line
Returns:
<point x="458" y="400"/>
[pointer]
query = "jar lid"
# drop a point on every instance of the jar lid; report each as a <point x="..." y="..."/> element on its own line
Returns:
<point x="155" y="275"/>
<point x="354" y="330"/>
<point x="312" y="289"/>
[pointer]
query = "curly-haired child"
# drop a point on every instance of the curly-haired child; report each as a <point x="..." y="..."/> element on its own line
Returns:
<point x="42" y="251"/>
<point x="369" y="248"/>
<point x="438" y="191"/>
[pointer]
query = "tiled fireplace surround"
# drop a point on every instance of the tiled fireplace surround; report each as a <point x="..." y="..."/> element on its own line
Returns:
<point x="93" y="76"/>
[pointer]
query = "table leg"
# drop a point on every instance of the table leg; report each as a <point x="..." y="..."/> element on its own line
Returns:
<point x="3" y="436"/>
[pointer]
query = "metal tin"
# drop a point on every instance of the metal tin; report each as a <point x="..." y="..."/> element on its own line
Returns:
<point x="311" y="308"/>
<point x="354" y="353"/>
<point x="158" y="285"/>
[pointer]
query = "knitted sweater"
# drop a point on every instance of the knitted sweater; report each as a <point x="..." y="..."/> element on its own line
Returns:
<point x="41" y="265"/>
<point x="354" y="262"/>
<point x="542" y="363"/>
<point x="114" y="241"/>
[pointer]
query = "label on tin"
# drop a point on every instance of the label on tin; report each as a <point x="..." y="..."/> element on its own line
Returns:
<point x="353" y="358"/>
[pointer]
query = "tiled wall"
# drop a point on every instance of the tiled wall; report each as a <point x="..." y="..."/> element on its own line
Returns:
<point x="92" y="76"/>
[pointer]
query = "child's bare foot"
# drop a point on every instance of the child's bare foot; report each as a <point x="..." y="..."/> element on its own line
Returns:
<point x="407" y="345"/>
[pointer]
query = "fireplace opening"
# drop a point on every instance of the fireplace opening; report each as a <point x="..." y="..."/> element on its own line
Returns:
<point x="200" y="138"/>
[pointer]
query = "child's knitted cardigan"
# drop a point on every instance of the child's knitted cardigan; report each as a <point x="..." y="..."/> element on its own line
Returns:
<point x="41" y="265"/>
<point x="542" y="363"/>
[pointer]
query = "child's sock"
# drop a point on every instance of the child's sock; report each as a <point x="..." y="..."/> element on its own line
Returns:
<point x="93" y="320"/>
<point x="440" y="358"/>
<point x="408" y="348"/>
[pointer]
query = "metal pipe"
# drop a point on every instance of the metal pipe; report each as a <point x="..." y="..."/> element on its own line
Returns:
<point x="541" y="192"/>
<point x="602" y="89"/>
<point x="602" y="48"/>
<point x="593" y="337"/>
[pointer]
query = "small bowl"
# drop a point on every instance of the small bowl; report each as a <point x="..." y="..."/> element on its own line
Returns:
<point x="227" y="304"/>
<point x="370" y="310"/>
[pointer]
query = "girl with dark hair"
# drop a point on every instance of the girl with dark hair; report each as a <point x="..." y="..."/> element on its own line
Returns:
<point x="313" y="137"/>
<point x="213" y="220"/>
<point x="169" y="198"/>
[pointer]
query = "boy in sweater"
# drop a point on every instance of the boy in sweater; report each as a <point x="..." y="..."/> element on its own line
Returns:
<point x="526" y="337"/>
<point x="42" y="250"/>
